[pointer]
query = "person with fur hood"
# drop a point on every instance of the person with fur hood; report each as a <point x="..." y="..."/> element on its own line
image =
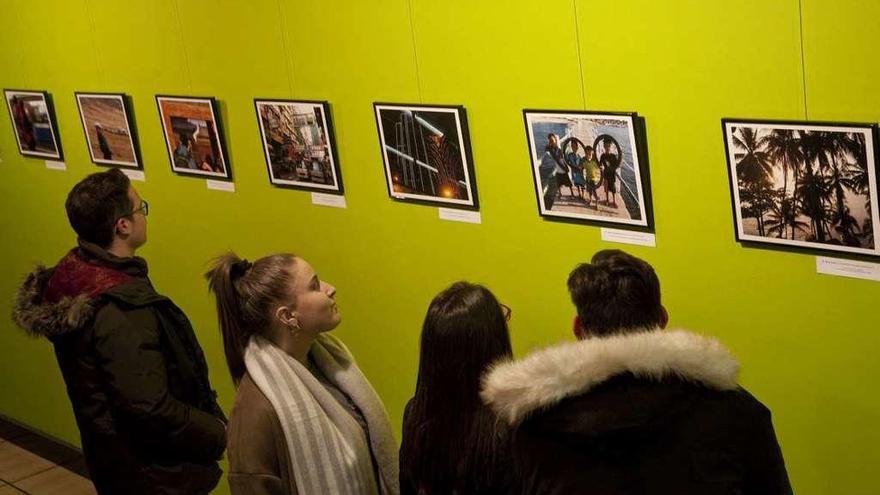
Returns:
<point x="631" y="408"/>
<point x="135" y="374"/>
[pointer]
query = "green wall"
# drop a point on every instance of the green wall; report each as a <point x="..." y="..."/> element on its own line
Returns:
<point x="808" y="343"/>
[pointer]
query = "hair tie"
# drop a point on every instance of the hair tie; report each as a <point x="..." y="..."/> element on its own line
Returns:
<point x="239" y="268"/>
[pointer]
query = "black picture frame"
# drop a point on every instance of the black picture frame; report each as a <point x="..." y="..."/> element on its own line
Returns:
<point x="411" y="128"/>
<point x="46" y="129"/>
<point x="306" y="178"/>
<point x="635" y="211"/>
<point x="174" y="104"/>
<point x="797" y="218"/>
<point x="126" y="107"/>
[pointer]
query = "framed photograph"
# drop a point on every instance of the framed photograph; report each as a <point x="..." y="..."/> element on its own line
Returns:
<point x="590" y="166"/>
<point x="109" y="127"/>
<point x="34" y="123"/>
<point x="427" y="154"/>
<point x="194" y="136"/>
<point x="807" y="185"/>
<point x="298" y="142"/>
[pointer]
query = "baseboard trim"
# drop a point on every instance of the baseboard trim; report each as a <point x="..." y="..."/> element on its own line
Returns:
<point x="44" y="445"/>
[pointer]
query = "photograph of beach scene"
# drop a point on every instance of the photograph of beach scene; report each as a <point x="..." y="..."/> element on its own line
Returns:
<point x="804" y="184"/>
<point x="106" y="122"/>
<point x="586" y="166"/>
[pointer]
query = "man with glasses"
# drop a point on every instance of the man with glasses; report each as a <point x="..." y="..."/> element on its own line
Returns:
<point x="135" y="373"/>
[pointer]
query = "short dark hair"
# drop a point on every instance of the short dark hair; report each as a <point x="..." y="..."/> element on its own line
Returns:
<point x="95" y="203"/>
<point x="616" y="292"/>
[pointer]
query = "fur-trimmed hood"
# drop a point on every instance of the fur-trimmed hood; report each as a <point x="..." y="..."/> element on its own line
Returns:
<point x="516" y="389"/>
<point x="55" y="301"/>
<point x="44" y="319"/>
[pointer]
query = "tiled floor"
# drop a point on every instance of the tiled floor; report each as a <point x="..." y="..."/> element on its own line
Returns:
<point x="24" y="472"/>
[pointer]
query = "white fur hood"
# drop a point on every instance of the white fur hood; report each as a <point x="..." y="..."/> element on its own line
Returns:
<point x="515" y="389"/>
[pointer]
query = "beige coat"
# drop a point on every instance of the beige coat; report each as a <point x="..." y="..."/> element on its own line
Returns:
<point x="259" y="454"/>
<point x="259" y="463"/>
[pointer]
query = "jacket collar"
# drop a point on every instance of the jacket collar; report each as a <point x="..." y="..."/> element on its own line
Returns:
<point x="92" y="253"/>
<point x="515" y="389"/>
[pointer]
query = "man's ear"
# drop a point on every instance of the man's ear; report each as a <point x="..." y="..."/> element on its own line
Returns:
<point x="664" y="317"/>
<point x="577" y="327"/>
<point x="122" y="227"/>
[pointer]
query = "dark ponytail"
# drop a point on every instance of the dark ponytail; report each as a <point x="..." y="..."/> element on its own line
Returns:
<point x="245" y="294"/>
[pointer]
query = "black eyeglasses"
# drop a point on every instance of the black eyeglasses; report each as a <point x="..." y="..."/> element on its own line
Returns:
<point x="506" y="311"/>
<point x="144" y="207"/>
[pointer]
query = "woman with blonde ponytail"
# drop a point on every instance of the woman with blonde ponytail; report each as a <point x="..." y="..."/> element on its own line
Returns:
<point x="305" y="421"/>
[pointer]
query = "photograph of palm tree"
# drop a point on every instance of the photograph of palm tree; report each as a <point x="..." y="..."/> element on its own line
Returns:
<point x="807" y="185"/>
<point x="426" y="152"/>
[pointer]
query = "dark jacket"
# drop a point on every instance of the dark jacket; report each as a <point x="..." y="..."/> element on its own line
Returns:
<point x="135" y="374"/>
<point x="646" y="413"/>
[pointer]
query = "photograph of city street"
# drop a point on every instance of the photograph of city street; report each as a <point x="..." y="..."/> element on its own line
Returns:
<point x="297" y="138"/>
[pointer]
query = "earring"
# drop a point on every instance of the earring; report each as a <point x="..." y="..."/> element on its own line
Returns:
<point x="294" y="326"/>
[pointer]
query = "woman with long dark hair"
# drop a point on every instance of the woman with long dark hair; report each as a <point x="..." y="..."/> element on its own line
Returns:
<point x="305" y="420"/>
<point x="452" y="443"/>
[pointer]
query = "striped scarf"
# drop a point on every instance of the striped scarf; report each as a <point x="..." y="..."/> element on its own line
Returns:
<point x="329" y="451"/>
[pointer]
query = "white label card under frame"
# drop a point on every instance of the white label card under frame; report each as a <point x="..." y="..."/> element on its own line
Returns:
<point x="219" y="185"/>
<point x="456" y="215"/>
<point x="137" y="175"/>
<point x="629" y="237"/>
<point x="334" y="200"/>
<point x="848" y="268"/>
<point x="53" y="165"/>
